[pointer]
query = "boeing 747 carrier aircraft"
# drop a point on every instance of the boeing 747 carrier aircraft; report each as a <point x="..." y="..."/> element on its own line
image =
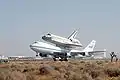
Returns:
<point x="44" y="49"/>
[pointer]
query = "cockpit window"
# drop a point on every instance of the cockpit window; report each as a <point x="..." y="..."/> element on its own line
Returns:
<point x="35" y="42"/>
<point x="49" y="34"/>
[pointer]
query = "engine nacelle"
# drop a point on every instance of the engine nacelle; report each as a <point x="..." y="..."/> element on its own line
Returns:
<point x="88" y="54"/>
<point x="82" y="53"/>
<point x="85" y="54"/>
<point x="42" y="55"/>
<point x="59" y="54"/>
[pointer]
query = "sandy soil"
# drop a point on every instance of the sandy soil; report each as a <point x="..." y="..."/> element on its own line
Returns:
<point x="50" y="70"/>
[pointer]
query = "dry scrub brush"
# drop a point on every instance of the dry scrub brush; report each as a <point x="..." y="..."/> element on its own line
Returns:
<point x="71" y="70"/>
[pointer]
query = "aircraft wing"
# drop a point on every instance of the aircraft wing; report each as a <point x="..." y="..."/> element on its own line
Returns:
<point x="97" y="52"/>
<point x="79" y="45"/>
<point x="76" y="52"/>
<point x="68" y="45"/>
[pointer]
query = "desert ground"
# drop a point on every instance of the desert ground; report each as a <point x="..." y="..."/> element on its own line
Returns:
<point x="60" y="70"/>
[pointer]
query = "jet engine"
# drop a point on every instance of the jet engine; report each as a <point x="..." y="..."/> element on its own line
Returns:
<point x="88" y="54"/>
<point x="42" y="55"/>
<point x="85" y="54"/>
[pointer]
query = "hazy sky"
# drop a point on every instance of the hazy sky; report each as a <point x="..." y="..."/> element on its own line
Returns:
<point x="24" y="21"/>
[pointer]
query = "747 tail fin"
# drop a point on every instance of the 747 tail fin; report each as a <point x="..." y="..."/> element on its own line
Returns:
<point x="91" y="46"/>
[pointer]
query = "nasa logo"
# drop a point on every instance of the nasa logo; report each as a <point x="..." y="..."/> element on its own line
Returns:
<point x="90" y="46"/>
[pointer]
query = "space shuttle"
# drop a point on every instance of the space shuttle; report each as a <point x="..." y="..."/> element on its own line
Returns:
<point x="70" y="42"/>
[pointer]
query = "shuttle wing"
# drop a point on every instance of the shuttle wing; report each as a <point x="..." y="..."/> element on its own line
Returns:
<point x="68" y="45"/>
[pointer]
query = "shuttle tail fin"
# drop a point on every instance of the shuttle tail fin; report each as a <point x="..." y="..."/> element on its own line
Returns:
<point x="91" y="46"/>
<point x="73" y="35"/>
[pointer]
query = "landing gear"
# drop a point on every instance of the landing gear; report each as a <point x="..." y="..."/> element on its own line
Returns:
<point x="63" y="59"/>
<point x="40" y="54"/>
<point x="54" y="59"/>
<point x="61" y="56"/>
<point x="37" y="54"/>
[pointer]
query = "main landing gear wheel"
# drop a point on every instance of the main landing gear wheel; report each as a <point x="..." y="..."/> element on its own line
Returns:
<point x="36" y="55"/>
<point x="61" y="56"/>
<point x="63" y="59"/>
<point x="54" y="59"/>
<point x="60" y="59"/>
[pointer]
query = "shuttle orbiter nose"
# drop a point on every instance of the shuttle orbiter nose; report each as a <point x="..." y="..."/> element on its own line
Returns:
<point x="46" y="37"/>
<point x="30" y="46"/>
<point x="43" y="37"/>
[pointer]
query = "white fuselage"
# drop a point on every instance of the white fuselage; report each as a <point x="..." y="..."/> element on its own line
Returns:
<point x="41" y="47"/>
<point x="49" y="49"/>
<point x="45" y="48"/>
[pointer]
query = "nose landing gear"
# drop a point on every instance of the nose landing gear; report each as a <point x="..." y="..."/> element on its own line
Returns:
<point x="37" y="54"/>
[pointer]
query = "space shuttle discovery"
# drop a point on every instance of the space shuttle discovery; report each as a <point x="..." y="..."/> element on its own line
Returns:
<point x="59" y="41"/>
